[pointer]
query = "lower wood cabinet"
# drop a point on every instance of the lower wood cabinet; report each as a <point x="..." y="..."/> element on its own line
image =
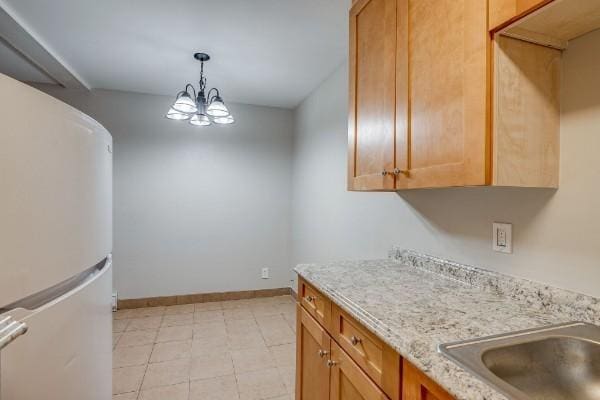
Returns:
<point x="343" y="360"/>
<point x="417" y="386"/>
<point x="313" y="347"/>
<point x="348" y="381"/>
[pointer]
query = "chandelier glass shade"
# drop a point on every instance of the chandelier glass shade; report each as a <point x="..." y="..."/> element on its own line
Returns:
<point x="202" y="107"/>
<point x="177" y="115"/>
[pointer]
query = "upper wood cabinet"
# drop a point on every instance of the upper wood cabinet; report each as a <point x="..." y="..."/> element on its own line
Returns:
<point x="372" y="94"/>
<point x="466" y="109"/>
<point x="442" y="99"/>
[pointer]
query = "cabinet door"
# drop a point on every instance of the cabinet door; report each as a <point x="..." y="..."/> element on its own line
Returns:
<point x="443" y="99"/>
<point x="371" y="123"/>
<point x="313" y="346"/>
<point x="348" y="381"/>
<point x="417" y="386"/>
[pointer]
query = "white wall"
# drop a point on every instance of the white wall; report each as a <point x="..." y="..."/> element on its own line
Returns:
<point x="556" y="233"/>
<point x="196" y="210"/>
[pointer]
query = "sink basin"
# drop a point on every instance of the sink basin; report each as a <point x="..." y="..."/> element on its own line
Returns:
<point x="560" y="362"/>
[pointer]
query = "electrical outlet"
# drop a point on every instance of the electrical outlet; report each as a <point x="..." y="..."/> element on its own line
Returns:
<point x="265" y="273"/>
<point x="115" y="301"/>
<point x="502" y="237"/>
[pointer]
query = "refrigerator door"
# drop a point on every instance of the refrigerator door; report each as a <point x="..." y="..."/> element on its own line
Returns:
<point x="66" y="353"/>
<point x="56" y="191"/>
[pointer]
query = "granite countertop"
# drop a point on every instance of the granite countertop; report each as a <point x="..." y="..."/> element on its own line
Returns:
<point x="415" y="302"/>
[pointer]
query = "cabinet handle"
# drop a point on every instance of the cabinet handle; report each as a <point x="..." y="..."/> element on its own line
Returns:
<point x="355" y="340"/>
<point x="398" y="171"/>
<point x="323" y="353"/>
<point x="310" y="299"/>
<point x="384" y="173"/>
<point x="331" y="363"/>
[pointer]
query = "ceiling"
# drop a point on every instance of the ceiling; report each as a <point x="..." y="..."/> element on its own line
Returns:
<point x="266" y="52"/>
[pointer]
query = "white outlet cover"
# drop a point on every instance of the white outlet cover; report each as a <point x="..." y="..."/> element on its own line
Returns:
<point x="265" y="273"/>
<point x="502" y="237"/>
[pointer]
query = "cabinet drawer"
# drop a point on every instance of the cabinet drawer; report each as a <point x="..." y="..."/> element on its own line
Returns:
<point x="315" y="303"/>
<point x="376" y="358"/>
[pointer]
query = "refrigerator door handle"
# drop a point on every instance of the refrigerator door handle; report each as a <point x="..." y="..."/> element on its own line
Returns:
<point x="46" y="296"/>
<point x="10" y="329"/>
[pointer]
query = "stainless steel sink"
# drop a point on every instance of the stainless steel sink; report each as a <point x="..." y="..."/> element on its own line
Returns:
<point x="557" y="362"/>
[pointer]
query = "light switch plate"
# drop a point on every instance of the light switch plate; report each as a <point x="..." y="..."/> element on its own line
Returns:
<point x="502" y="237"/>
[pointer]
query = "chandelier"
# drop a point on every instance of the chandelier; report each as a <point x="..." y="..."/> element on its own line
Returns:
<point x="200" y="108"/>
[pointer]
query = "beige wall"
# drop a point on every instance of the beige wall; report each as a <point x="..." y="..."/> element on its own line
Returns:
<point x="556" y="233"/>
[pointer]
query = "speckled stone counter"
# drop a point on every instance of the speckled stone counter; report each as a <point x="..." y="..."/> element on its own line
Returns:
<point x="414" y="302"/>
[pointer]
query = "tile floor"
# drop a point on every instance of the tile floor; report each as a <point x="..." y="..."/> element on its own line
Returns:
<point x="243" y="349"/>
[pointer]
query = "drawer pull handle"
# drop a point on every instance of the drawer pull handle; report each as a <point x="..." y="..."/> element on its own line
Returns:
<point x="323" y="353"/>
<point x="331" y="363"/>
<point x="310" y="299"/>
<point x="355" y="340"/>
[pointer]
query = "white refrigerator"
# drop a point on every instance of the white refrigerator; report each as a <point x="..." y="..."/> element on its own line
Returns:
<point x="55" y="246"/>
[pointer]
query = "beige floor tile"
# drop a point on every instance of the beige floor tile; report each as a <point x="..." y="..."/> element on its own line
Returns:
<point x="174" y="333"/>
<point x="288" y="374"/>
<point x="171" y="351"/>
<point x="116" y="337"/>
<point x="242" y="341"/>
<point x="284" y="355"/>
<point x="258" y="385"/>
<point x="209" y="344"/>
<point x="287" y="308"/>
<point x="178" y="319"/>
<point x="206" y="329"/>
<point x="173" y="392"/>
<point x="265" y="310"/>
<point x="137" y="338"/>
<point x="208" y="316"/>
<point x="147" y="312"/>
<point x="119" y="325"/>
<point x="234" y="314"/>
<point x="179" y="309"/>
<point x="275" y="330"/>
<point x="252" y="359"/>
<point x="166" y="373"/>
<point x="211" y="365"/>
<point x="131" y="355"/>
<point x="125" y="396"/>
<point x="127" y="379"/>
<point x="241" y="326"/>
<point x="208" y="306"/>
<point x="138" y="324"/>
<point x="227" y="305"/>
<point x="123" y="314"/>
<point x="219" y="388"/>
<point x="291" y="320"/>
